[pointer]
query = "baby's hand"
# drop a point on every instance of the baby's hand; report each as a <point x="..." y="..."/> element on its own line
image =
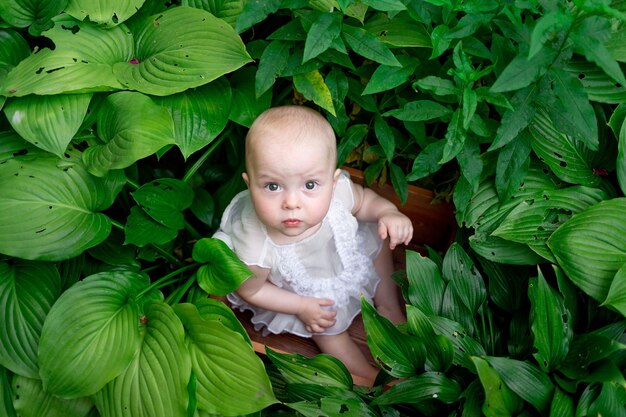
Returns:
<point x="315" y="318"/>
<point x="397" y="227"/>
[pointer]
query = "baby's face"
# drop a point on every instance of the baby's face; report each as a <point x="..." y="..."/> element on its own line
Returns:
<point x="291" y="185"/>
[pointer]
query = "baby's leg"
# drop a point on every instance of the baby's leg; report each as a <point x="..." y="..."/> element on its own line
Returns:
<point x="387" y="297"/>
<point x="347" y="351"/>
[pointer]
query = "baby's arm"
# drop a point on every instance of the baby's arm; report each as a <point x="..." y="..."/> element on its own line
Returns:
<point x="260" y="292"/>
<point x="369" y="206"/>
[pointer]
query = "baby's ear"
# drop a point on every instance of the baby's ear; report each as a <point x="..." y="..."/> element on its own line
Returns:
<point x="336" y="174"/>
<point x="245" y="178"/>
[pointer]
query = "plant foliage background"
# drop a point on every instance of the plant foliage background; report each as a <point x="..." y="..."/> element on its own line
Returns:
<point x="121" y="141"/>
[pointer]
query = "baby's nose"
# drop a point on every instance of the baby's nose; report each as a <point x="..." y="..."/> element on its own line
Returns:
<point x="291" y="201"/>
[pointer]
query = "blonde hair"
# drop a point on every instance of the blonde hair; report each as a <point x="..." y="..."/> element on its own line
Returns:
<point x="294" y="123"/>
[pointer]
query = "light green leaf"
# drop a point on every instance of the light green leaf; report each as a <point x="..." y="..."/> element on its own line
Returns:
<point x="324" y="30"/>
<point x="562" y="404"/>
<point x="423" y="387"/>
<point x="91" y="334"/>
<point x="82" y="60"/>
<point x="212" y="309"/>
<point x="48" y="122"/>
<point x="142" y="230"/>
<point x="227" y="10"/>
<point x="181" y="48"/>
<point x="321" y="369"/>
<point x="199" y="114"/>
<point x="368" y="45"/>
<point x="133" y="127"/>
<point x="164" y="199"/>
<point x="225" y="366"/>
<point x="313" y="87"/>
<point x="400" y="31"/>
<point x="616" y="298"/>
<point x="500" y="400"/>
<point x="419" y="111"/>
<point x="398" y="354"/>
<point x="568" y="158"/>
<point x="35" y="15"/>
<point x="155" y="382"/>
<point x="591" y="246"/>
<point x="550" y="324"/>
<point x="346" y="404"/>
<point x="32" y="401"/>
<point x="103" y="12"/>
<point x="387" y="77"/>
<point x="27" y="292"/>
<point x="222" y="272"/>
<point x="63" y="203"/>
<point x="13" y="49"/>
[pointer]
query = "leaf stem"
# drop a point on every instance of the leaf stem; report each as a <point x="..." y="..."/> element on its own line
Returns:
<point x="177" y="294"/>
<point x="167" y="279"/>
<point x="196" y="166"/>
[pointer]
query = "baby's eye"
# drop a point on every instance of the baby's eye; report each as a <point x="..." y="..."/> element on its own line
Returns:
<point x="272" y="186"/>
<point x="310" y="185"/>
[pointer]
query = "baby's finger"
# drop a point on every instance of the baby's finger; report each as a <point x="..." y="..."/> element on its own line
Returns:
<point x="325" y="302"/>
<point x="382" y="230"/>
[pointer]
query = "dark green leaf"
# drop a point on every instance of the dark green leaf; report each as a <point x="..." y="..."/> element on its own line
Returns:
<point x="426" y="285"/>
<point x="418" y="111"/>
<point x="439" y="349"/>
<point x="548" y="27"/>
<point x="222" y="272"/>
<point x="427" y="161"/>
<point x="246" y="105"/>
<point x="562" y="404"/>
<point x="516" y="119"/>
<point x="331" y="406"/>
<point x="368" y="45"/>
<point x="255" y="11"/>
<point x="438" y="86"/>
<point x="387" y="77"/>
<point x="321" y="369"/>
<point x="455" y="138"/>
<point x="399" y="182"/>
<point x="399" y="31"/>
<point x="620" y="163"/>
<point x="32" y="400"/>
<point x="597" y="84"/>
<point x="425" y="386"/>
<point x="142" y="230"/>
<point x="500" y="400"/>
<point x="353" y="138"/>
<point x="522" y="71"/>
<point x="512" y="166"/>
<point x="616" y="298"/>
<point x="465" y="347"/>
<point x="271" y="65"/>
<point x="320" y="36"/>
<point x="464" y="278"/>
<point x="385" y="137"/>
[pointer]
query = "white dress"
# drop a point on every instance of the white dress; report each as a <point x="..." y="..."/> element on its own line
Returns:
<point x="336" y="262"/>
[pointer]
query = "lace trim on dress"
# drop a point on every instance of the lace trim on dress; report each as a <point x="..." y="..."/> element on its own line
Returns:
<point x="356" y="265"/>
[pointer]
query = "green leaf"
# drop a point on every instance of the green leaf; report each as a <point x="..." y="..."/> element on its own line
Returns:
<point x="82" y="60"/>
<point x="427" y="161"/>
<point x="423" y="387"/>
<point x="324" y="30"/>
<point x="568" y="158"/>
<point x="419" y="111"/>
<point x="164" y="199"/>
<point x="13" y="49"/>
<point x="255" y="11"/>
<point x="438" y="86"/>
<point x="107" y="13"/>
<point x="48" y="122"/>
<point x="616" y="298"/>
<point x="500" y="400"/>
<point x="133" y="127"/>
<point x="547" y="28"/>
<point x="222" y="272"/>
<point x="212" y="309"/>
<point x="465" y="347"/>
<point x="464" y="279"/>
<point x="620" y="163"/>
<point x="515" y="119"/>
<point x="387" y="77"/>
<point x="272" y="63"/>
<point x="91" y="334"/>
<point x="455" y="138"/>
<point x="597" y="84"/>
<point x="199" y="115"/>
<point x="525" y="379"/>
<point x="155" y="381"/>
<point x="246" y="105"/>
<point x="32" y="400"/>
<point x="181" y="48"/>
<point x="227" y="10"/>
<point x="313" y="87"/>
<point x="503" y="251"/>
<point x="34" y="15"/>
<point x="523" y="71"/>
<point x="368" y="45"/>
<point x="225" y="366"/>
<point x="6" y="393"/>
<point x="426" y="285"/>
<point x="385" y="137"/>
<point x="331" y="406"/>
<point x="353" y="137"/>
<point x="321" y="369"/>
<point x="399" y="182"/>
<point x="562" y="404"/>
<point x="63" y="203"/>
<point x="400" y="355"/>
<point x="401" y="30"/>
<point x="512" y="165"/>
<point x="142" y="230"/>
<point x="551" y="324"/>
<point x="591" y="246"/>
<point x="27" y="292"/>
<point x="439" y="349"/>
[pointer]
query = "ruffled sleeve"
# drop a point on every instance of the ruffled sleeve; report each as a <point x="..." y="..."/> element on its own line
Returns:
<point x="343" y="190"/>
<point x="243" y="232"/>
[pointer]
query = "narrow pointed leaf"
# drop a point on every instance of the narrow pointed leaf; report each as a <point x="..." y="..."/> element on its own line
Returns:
<point x="455" y="138"/>
<point x="225" y="366"/>
<point x="91" y="334"/>
<point x="388" y="77"/>
<point x="464" y="278"/>
<point x="616" y="298"/>
<point x="48" y="122"/>
<point x="181" y="48"/>
<point x="400" y="31"/>
<point x="82" y="60"/>
<point x="27" y="292"/>
<point x="199" y="115"/>
<point x="439" y="349"/>
<point x="321" y="35"/>
<point x="512" y="166"/>
<point x="32" y="400"/>
<point x="222" y="272"/>
<point x="551" y="324"/>
<point x="500" y="400"/>
<point x="368" y="45"/>
<point x="227" y="10"/>
<point x="426" y="285"/>
<point x="523" y="71"/>
<point x="321" y="369"/>
<point x="164" y="200"/>
<point x="133" y="127"/>
<point x="103" y="12"/>
<point x="419" y="111"/>
<point x="63" y="205"/>
<point x="399" y="354"/>
<point x="591" y="246"/>
<point x="313" y="87"/>
<point x="155" y="382"/>
<point x="426" y="386"/>
<point x="620" y="163"/>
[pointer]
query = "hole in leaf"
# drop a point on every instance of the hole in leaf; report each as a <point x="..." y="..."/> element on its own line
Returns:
<point x="581" y="76"/>
<point x="563" y="164"/>
<point x="74" y="29"/>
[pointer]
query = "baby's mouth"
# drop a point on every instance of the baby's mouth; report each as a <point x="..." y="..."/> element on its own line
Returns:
<point x="292" y="222"/>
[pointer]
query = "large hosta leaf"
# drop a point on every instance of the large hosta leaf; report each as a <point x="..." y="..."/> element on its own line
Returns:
<point x="617" y="292"/>
<point x="225" y="367"/>
<point x="13" y="49"/>
<point x="32" y="401"/>
<point x="103" y="12"/>
<point x="322" y="369"/>
<point x="591" y="246"/>
<point x="155" y="382"/>
<point x="27" y="292"/>
<point x="133" y="126"/>
<point x="164" y="200"/>
<point x="91" y="334"/>
<point x="222" y="271"/>
<point x="50" y="210"/>
<point x="80" y="62"/>
<point x="228" y="10"/>
<point x="48" y="122"/>
<point x="33" y="14"/>
<point x="181" y="48"/>
<point x="199" y="115"/>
